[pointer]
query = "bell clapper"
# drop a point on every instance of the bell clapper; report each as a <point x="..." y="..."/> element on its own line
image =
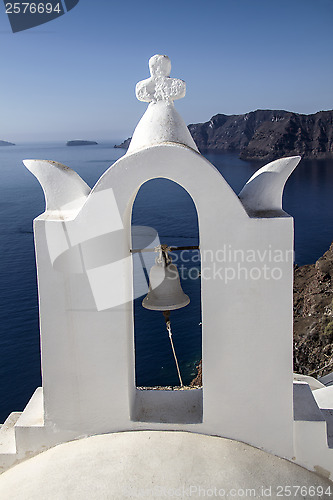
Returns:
<point x="166" y="315"/>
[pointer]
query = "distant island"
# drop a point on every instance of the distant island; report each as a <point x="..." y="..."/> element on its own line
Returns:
<point x="124" y="145"/>
<point x="81" y="143"/>
<point x="266" y="134"/>
<point x="6" y="143"/>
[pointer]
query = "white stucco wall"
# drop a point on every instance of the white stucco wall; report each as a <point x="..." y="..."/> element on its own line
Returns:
<point x="86" y="285"/>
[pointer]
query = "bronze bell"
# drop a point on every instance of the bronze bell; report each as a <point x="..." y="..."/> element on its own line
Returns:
<point x="165" y="292"/>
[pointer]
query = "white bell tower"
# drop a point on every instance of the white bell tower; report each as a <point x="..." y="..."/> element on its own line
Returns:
<point x="85" y="282"/>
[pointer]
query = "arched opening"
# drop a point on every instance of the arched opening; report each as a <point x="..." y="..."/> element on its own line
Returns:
<point x="166" y="207"/>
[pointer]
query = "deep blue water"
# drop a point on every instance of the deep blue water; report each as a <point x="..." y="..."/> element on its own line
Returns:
<point x="308" y="198"/>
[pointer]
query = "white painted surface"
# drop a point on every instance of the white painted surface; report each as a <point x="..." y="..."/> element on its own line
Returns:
<point x="7" y="434"/>
<point x="160" y="87"/>
<point x="168" y="406"/>
<point x="87" y="317"/>
<point x="64" y="190"/>
<point x="85" y="280"/>
<point x="161" y="122"/>
<point x="305" y="406"/>
<point x="324" y="397"/>
<point x="313" y="382"/>
<point x="154" y="465"/>
<point x="311" y="432"/>
<point x="24" y="434"/>
<point x="262" y="194"/>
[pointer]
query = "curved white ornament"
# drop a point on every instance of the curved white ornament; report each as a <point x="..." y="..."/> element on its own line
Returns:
<point x="263" y="191"/>
<point x="161" y="122"/>
<point x="64" y="189"/>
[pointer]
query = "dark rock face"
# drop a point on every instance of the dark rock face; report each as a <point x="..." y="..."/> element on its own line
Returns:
<point x="124" y="145"/>
<point x="5" y="143"/>
<point x="267" y="134"/>
<point x="197" y="381"/>
<point x="313" y="319"/>
<point x="81" y="143"/>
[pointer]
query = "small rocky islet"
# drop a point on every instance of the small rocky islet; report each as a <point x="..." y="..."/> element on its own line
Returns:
<point x="81" y="143"/>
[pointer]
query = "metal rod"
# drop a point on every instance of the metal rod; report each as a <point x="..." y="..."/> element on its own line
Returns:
<point x="193" y="247"/>
<point x="172" y="249"/>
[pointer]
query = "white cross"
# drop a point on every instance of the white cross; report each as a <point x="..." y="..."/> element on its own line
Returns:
<point x="160" y="87"/>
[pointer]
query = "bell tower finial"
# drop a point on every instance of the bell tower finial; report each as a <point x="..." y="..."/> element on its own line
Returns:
<point x="160" y="87"/>
<point x="161" y="123"/>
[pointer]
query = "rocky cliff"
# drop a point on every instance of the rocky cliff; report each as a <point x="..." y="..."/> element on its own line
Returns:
<point x="267" y="134"/>
<point x="124" y="145"/>
<point x="313" y="319"/>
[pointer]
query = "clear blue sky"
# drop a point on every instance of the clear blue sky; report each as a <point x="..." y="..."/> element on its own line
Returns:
<point x="75" y="76"/>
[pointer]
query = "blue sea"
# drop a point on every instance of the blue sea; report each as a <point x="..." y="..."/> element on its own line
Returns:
<point x="308" y="198"/>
